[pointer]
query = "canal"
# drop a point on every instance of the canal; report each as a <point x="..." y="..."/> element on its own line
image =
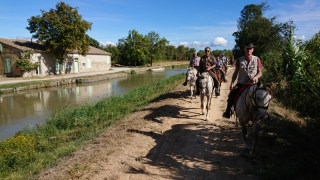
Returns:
<point x="26" y="109"/>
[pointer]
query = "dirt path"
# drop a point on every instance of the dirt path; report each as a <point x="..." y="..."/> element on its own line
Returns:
<point x="168" y="139"/>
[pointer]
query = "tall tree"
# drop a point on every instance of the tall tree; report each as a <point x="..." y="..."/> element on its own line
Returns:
<point x="95" y="43"/>
<point x="114" y="50"/>
<point x="253" y="27"/>
<point x="61" y="30"/>
<point x="171" y="52"/>
<point x="181" y="51"/>
<point x="156" y="45"/>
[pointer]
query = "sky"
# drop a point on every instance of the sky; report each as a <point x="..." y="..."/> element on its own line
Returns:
<point x="192" y="23"/>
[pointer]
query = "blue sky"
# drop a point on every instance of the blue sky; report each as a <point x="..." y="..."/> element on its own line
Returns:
<point x="192" y="23"/>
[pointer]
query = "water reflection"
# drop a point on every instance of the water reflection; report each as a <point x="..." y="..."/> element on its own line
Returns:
<point x="27" y="108"/>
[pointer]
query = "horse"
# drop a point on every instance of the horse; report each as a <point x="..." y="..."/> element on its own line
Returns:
<point x="191" y="79"/>
<point x="206" y="89"/>
<point x="225" y="68"/>
<point x="252" y="105"/>
<point x="218" y="75"/>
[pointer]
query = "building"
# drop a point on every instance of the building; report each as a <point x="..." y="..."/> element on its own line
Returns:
<point x="11" y="50"/>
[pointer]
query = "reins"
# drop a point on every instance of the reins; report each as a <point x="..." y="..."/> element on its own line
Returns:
<point x="253" y="99"/>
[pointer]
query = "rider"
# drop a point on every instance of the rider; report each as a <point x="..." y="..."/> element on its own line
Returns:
<point x="248" y="68"/>
<point x="207" y="64"/>
<point x="194" y="62"/>
<point x="219" y="67"/>
<point x="224" y="59"/>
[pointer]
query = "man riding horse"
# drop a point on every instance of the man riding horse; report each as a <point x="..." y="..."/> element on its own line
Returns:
<point x="207" y="64"/>
<point x="194" y="62"/>
<point x="248" y="68"/>
<point x="219" y="68"/>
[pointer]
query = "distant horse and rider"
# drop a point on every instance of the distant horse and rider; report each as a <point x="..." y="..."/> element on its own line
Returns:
<point x="191" y="80"/>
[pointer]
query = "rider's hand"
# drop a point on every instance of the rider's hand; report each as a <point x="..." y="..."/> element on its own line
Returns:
<point x="231" y="86"/>
<point x="255" y="79"/>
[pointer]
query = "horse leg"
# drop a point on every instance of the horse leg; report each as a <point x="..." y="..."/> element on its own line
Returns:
<point x="208" y="106"/>
<point x="244" y="135"/>
<point x="202" y="103"/>
<point x="191" y="92"/>
<point x="255" y="136"/>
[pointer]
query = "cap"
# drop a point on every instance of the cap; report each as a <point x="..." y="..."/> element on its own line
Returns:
<point x="249" y="46"/>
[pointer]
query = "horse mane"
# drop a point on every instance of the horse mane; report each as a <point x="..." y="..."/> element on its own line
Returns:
<point x="267" y="86"/>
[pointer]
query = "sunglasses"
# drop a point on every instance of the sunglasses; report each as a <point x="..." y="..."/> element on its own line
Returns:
<point x="207" y="50"/>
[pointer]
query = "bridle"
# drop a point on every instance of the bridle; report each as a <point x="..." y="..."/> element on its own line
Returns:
<point x="253" y="98"/>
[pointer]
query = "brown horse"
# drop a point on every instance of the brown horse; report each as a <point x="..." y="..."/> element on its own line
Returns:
<point x="225" y="68"/>
<point x="218" y="76"/>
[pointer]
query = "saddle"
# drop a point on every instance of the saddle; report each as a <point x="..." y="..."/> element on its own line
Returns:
<point x="213" y="75"/>
<point x="240" y="92"/>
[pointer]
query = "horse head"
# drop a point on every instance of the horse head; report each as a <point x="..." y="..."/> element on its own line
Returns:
<point x="261" y="94"/>
<point x="192" y="74"/>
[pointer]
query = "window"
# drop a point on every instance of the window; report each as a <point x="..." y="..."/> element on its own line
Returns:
<point x="108" y="59"/>
<point x="88" y="63"/>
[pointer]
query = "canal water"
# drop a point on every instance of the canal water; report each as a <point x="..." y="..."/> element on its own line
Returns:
<point x="26" y="109"/>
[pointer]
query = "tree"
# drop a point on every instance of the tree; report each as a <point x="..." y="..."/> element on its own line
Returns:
<point x="25" y="64"/>
<point x="61" y="30"/>
<point x="171" y="52"/>
<point x="181" y="51"/>
<point x="156" y="46"/>
<point x="95" y="43"/>
<point x="134" y="49"/>
<point x="253" y="27"/>
<point x="114" y="50"/>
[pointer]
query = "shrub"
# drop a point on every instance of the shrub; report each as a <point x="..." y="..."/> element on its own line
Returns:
<point x="17" y="151"/>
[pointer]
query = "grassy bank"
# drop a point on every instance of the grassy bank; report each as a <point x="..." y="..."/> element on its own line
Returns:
<point x="28" y="152"/>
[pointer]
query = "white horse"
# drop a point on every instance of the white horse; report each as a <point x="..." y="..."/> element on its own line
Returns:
<point x="192" y="78"/>
<point x="252" y="105"/>
<point x="206" y="89"/>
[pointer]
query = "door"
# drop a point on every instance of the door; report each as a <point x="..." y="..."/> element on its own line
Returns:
<point x="57" y="67"/>
<point x="7" y="65"/>
<point x="76" y="66"/>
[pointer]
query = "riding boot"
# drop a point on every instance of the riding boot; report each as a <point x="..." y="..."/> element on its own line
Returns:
<point x="227" y="113"/>
<point x="186" y="80"/>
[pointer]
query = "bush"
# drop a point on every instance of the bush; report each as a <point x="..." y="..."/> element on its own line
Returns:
<point x="17" y="151"/>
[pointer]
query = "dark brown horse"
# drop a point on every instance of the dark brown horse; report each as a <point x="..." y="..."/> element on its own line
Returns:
<point x="219" y="78"/>
<point x="225" y="68"/>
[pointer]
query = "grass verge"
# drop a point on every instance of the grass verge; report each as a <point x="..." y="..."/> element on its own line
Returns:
<point x="28" y="152"/>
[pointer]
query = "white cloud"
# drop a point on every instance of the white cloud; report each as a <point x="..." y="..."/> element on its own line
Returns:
<point x="184" y="44"/>
<point x="220" y="41"/>
<point x="302" y="38"/>
<point x="107" y="43"/>
<point x="22" y="38"/>
<point x="196" y="43"/>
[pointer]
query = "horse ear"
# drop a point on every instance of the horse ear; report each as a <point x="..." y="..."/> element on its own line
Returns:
<point x="259" y="83"/>
<point x="269" y="85"/>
